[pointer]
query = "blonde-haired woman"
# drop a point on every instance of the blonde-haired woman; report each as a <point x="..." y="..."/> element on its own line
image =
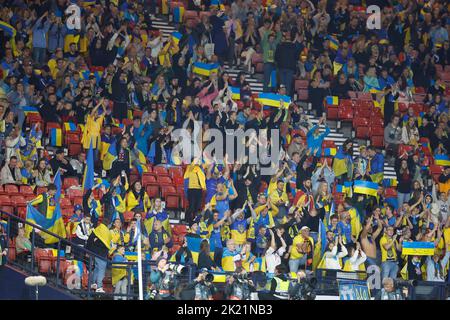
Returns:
<point x="410" y="132"/>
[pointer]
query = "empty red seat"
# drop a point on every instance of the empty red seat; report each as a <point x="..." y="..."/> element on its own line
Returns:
<point x="70" y="181"/>
<point x="4" y="200"/>
<point x="74" y="149"/>
<point x="179" y="229"/>
<point x="362" y="132"/>
<point x="172" y="201"/>
<point x="159" y="170"/>
<point x="377" y="141"/>
<point x="164" y="180"/>
<point x="11" y="189"/>
<point x="402" y="107"/>
<point x="376" y="131"/>
<point x="360" y="122"/>
<point x="65" y="203"/>
<point x="332" y="113"/>
<point x="26" y="190"/>
<point x="345" y="114"/>
<point x="148" y="178"/>
<point x="301" y="84"/>
<point x="302" y="94"/>
<point x="166" y="190"/>
<point x="152" y="190"/>
<point x="73" y="193"/>
<point x="18" y="201"/>
<point x="377" y="121"/>
<point x="176" y="171"/>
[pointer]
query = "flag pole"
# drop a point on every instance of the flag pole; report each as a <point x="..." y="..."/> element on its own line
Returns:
<point x="139" y="257"/>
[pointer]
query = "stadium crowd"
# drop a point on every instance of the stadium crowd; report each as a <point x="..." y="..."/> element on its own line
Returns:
<point x="110" y="93"/>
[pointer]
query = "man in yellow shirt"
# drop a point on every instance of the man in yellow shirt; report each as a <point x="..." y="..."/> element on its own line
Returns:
<point x="279" y="199"/>
<point x="196" y="184"/>
<point x="301" y="246"/>
<point x="389" y="247"/>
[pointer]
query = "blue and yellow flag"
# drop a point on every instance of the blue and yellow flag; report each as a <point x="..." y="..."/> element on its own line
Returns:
<point x="334" y="43"/>
<point x="337" y="67"/>
<point x="441" y="160"/>
<point x="365" y="187"/>
<point x="11" y="32"/>
<point x="56" y="137"/>
<point x="235" y="93"/>
<point x="30" y="110"/>
<point x="176" y="36"/>
<point x="327" y="152"/>
<point x="389" y="183"/>
<point x="332" y="100"/>
<point x="54" y="224"/>
<point x="273" y="100"/>
<point x="178" y="13"/>
<point x="70" y="126"/>
<point x="88" y="177"/>
<point x="418" y="248"/>
<point x="140" y="162"/>
<point x="194" y="246"/>
<point x="205" y="69"/>
<point x="110" y="156"/>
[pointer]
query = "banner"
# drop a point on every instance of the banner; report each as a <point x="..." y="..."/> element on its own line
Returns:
<point x="418" y="248"/>
<point x="353" y="290"/>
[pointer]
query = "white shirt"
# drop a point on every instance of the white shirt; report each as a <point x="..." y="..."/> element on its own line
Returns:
<point x="332" y="258"/>
<point x="356" y="261"/>
<point x="273" y="258"/>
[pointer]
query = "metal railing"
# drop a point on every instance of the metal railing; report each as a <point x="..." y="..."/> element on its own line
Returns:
<point x="31" y="263"/>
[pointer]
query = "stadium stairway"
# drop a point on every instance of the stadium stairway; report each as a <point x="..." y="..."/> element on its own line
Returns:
<point x="166" y="28"/>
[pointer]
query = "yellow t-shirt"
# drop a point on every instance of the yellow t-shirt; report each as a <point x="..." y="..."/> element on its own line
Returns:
<point x="295" y="254"/>
<point x="388" y="255"/>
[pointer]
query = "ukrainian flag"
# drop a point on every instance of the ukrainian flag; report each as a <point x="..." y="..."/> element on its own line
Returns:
<point x="70" y="126"/>
<point x="56" y="137"/>
<point x="365" y="187"/>
<point x="140" y="162"/>
<point x="193" y="245"/>
<point x="340" y="163"/>
<point x="11" y="32"/>
<point x="204" y="69"/>
<point x="273" y="100"/>
<point x="30" y="110"/>
<point x="418" y="248"/>
<point x="176" y="37"/>
<point x="178" y="13"/>
<point x="88" y="177"/>
<point x="441" y="160"/>
<point x="327" y="152"/>
<point x="54" y="224"/>
<point x="334" y="43"/>
<point x="110" y="156"/>
<point x="332" y="100"/>
<point x="389" y="183"/>
<point x="235" y="93"/>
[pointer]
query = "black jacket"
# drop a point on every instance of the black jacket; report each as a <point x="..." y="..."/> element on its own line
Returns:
<point x="286" y="56"/>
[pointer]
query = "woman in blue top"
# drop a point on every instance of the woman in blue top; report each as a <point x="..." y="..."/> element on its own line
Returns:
<point x="315" y="139"/>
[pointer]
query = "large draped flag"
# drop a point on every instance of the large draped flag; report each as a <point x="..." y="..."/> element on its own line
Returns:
<point x="442" y="160"/>
<point x="140" y="161"/>
<point x="273" y="100"/>
<point x="88" y="177"/>
<point x="365" y="187"/>
<point x="54" y="225"/>
<point x="193" y="244"/>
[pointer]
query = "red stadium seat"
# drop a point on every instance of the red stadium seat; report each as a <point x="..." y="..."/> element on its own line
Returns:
<point x="4" y="200"/>
<point x="40" y="190"/>
<point x="377" y="141"/>
<point x="128" y="215"/>
<point x="11" y="189"/>
<point x="70" y="181"/>
<point x="345" y="114"/>
<point x="73" y="193"/>
<point x="332" y="113"/>
<point x="166" y="190"/>
<point x="362" y="132"/>
<point x="361" y="122"/>
<point x="376" y="131"/>
<point x="65" y="203"/>
<point x="152" y="190"/>
<point x="402" y="107"/>
<point x="435" y="169"/>
<point x="26" y="190"/>
<point x="172" y="201"/>
<point x="179" y="229"/>
<point x="301" y="84"/>
<point x="74" y="149"/>
<point x="163" y="180"/>
<point x="390" y="193"/>
<point x="51" y="125"/>
<point x="148" y="178"/>
<point x="19" y="201"/>
<point x="176" y="171"/>
<point x="160" y="171"/>
<point x="8" y="209"/>
<point x="22" y="212"/>
<point x="302" y="94"/>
